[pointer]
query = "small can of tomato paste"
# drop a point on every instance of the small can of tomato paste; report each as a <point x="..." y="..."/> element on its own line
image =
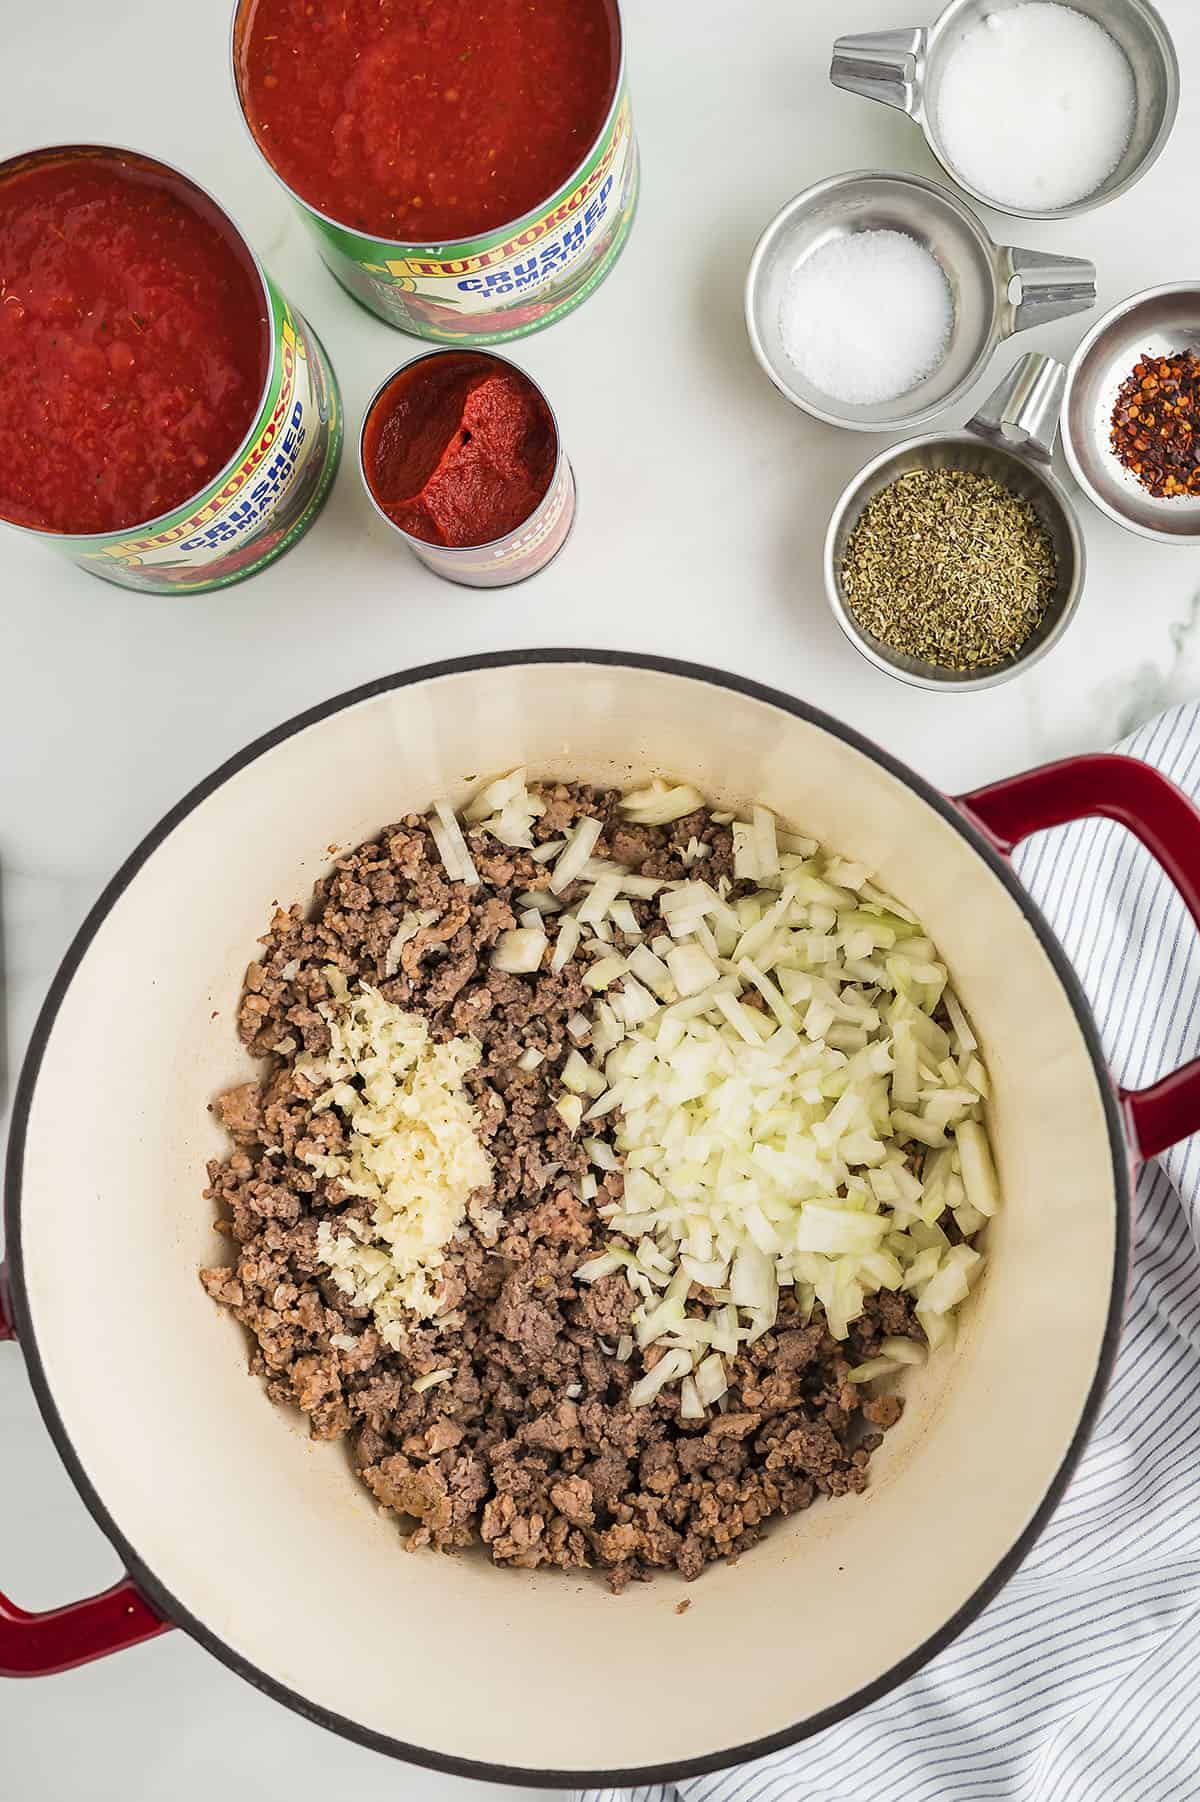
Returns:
<point x="167" y="419"/>
<point x="460" y="453"/>
<point x="468" y="167"/>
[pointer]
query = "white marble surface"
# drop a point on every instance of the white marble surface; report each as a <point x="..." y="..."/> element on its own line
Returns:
<point x="703" y="502"/>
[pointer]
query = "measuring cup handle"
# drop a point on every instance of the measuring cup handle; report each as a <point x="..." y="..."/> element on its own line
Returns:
<point x="1023" y="412"/>
<point x="1049" y="287"/>
<point x="882" y="65"/>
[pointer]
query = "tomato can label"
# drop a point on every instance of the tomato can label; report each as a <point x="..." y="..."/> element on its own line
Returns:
<point x="261" y="503"/>
<point x="512" y="281"/>
<point x="534" y="544"/>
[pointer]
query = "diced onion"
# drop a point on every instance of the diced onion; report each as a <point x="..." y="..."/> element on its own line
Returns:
<point x="569" y="1109"/>
<point x="452" y="846"/>
<point x="766" y="849"/>
<point x="537" y="898"/>
<point x="574" y="854"/>
<point x="690" y="1405"/>
<point x="634" y="1004"/>
<point x="575" y="1073"/>
<point x="431" y="1381"/>
<point x="530" y="1059"/>
<point x="911" y="1127"/>
<point x="408" y="928"/>
<point x="976" y="1074"/>
<point x="604" y="971"/>
<point x="650" y="969"/>
<point x="621" y="914"/>
<point x="691" y="969"/>
<point x="967" y="1042"/>
<point x="661" y="803"/>
<point x="745" y="854"/>
<point x="507" y="810"/>
<point x="642" y="888"/>
<point x="598" y="900"/>
<point x="978" y="1171"/>
<point x="969" y="1220"/>
<point x="874" y="1367"/>
<point x="672" y="1365"/>
<point x="495" y="796"/>
<point x="601" y="1154"/>
<point x="711" y="1380"/>
<point x="566" y="944"/>
<point x="520" y="950"/>
<point x="594" y="1268"/>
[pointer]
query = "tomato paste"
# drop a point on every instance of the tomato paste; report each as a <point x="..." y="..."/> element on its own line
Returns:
<point x="427" y="121"/>
<point x="459" y="448"/>
<point x="134" y="343"/>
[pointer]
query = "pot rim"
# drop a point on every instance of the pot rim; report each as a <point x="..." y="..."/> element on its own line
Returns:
<point x="160" y="1596"/>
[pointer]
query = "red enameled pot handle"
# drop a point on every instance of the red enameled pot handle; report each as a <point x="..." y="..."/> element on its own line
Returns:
<point x="38" y="1645"/>
<point x="1168" y="825"/>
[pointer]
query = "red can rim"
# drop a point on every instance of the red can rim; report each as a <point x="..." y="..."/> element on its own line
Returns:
<point x="241" y="7"/>
<point x="423" y="545"/>
<point x="156" y="165"/>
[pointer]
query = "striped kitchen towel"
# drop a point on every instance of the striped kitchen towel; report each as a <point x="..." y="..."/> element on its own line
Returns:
<point x="1081" y="1682"/>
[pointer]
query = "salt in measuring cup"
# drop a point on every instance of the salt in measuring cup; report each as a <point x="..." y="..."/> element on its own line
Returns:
<point x="996" y="289"/>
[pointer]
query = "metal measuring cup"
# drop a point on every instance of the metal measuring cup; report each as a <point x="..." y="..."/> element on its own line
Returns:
<point x="996" y="289"/>
<point x="1160" y="322"/>
<point x="904" y="69"/>
<point x="1010" y="438"/>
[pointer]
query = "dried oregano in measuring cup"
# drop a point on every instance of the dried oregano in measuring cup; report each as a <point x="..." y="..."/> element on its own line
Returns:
<point x="950" y="567"/>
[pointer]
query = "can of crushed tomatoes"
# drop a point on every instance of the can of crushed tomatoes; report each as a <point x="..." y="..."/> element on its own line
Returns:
<point x="467" y="286"/>
<point x="257" y="501"/>
<point x="458" y="439"/>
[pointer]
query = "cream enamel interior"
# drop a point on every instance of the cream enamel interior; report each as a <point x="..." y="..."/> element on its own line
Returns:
<point x="268" y="1540"/>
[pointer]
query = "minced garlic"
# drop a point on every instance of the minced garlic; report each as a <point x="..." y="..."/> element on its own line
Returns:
<point x="414" y="1152"/>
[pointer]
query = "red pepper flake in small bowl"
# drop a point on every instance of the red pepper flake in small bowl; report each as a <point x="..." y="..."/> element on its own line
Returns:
<point x="1156" y="424"/>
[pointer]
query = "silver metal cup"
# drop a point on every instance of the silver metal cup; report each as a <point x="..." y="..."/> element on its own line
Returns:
<point x="519" y="554"/>
<point x="1162" y="321"/>
<point x="904" y="69"/>
<point x="996" y="289"/>
<point x="1010" y="438"/>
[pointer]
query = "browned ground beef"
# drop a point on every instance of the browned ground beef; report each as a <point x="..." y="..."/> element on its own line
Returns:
<point x="532" y="1447"/>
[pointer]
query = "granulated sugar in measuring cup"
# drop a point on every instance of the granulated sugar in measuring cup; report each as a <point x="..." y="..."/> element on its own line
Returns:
<point x="1036" y="105"/>
<point x="1037" y="108"/>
